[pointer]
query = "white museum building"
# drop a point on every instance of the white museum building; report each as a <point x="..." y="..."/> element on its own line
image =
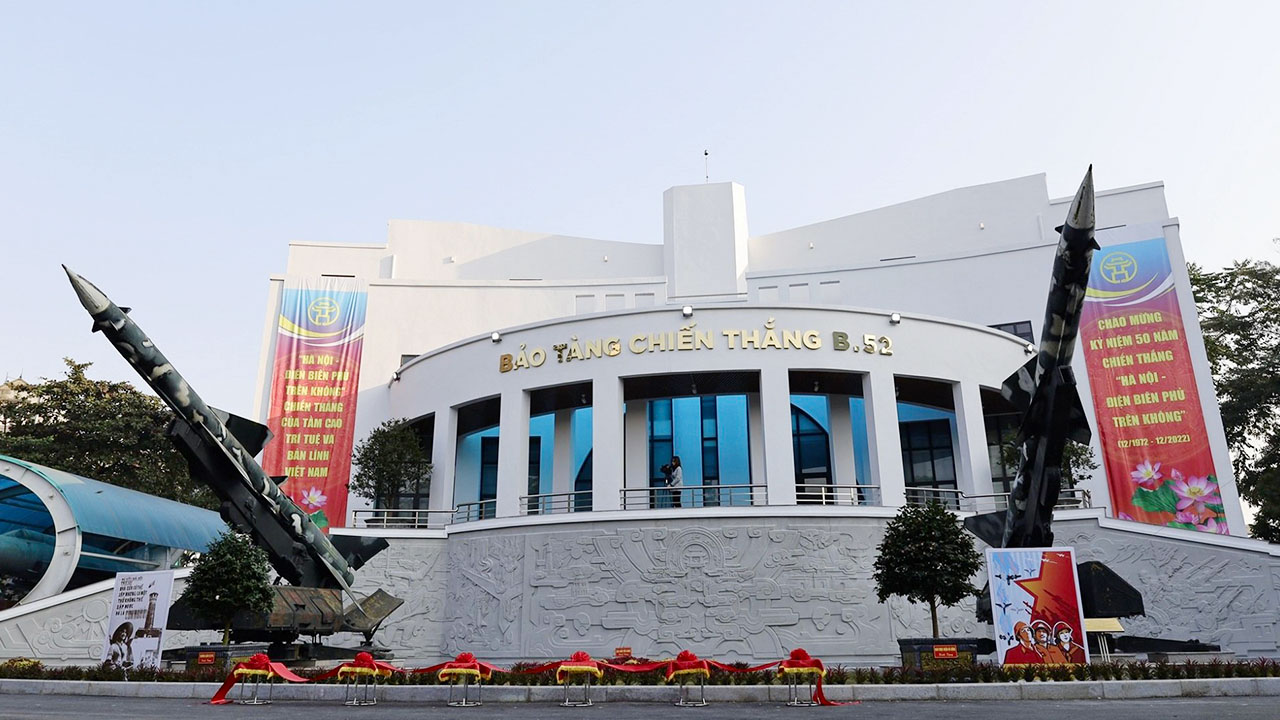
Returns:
<point x="811" y="381"/>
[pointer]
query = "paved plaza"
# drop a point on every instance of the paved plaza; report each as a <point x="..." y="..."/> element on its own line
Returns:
<point x="47" y="707"/>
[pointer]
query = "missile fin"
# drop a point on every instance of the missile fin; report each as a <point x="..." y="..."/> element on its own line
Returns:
<point x="1076" y="423"/>
<point x="251" y="435"/>
<point x="1020" y="387"/>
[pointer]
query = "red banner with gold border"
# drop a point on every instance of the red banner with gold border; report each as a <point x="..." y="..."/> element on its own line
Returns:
<point x="314" y="385"/>
<point x="1155" y="446"/>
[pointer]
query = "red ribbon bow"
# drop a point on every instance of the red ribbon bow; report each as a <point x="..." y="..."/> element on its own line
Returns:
<point x="257" y="663"/>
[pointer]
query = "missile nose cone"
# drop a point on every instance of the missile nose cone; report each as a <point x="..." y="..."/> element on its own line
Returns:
<point x="90" y="296"/>
<point x="1080" y="216"/>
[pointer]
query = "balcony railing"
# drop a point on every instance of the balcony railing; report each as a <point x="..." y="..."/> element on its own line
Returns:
<point x="697" y="496"/>
<point x="403" y="518"/>
<point x="950" y="498"/>
<point x="837" y="494"/>
<point x="692" y="496"/>
<point x="555" y="503"/>
<point x="481" y="510"/>
<point x="1068" y="499"/>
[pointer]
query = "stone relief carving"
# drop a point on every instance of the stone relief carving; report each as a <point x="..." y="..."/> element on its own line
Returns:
<point x="485" y="594"/>
<point x="737" y="591"/>
<point x="1191" y="591"/>
<point x="414" y="570"/>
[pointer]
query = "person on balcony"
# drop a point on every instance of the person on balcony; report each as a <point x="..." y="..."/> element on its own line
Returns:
<point x="674" y="480"/>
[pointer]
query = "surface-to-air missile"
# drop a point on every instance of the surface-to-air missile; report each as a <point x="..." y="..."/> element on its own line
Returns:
<point x="214" y="444"/>
<point x="1044" y="390"/>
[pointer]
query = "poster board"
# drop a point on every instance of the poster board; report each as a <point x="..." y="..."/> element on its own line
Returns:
<point x="139" y="612"/>
<point x="1035" y="606"/>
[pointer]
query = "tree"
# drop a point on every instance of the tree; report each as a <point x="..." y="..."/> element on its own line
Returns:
<point x="230" y="577"/>
<point x="1078" y="460"/>
<point x="926" y="556"/>
<point x="103" y="430"/>
<point x="1239" y="310"/>
<point x="389" y="462"/>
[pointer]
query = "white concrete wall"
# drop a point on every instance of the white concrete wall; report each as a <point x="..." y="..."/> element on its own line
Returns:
<point x="705" y="240"/>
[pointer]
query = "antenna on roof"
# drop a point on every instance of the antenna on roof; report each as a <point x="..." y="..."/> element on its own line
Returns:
<point x="706" y="165"/>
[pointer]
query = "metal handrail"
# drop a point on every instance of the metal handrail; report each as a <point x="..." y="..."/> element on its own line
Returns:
<point x="693" y="496"/>
<point x="948" y="497"/>
<point x="555" y="503"/>
<point x="479" y="510"/>
<point x="821" y="494"/>
<point x="410" y="518"/>
<point x="1068" y="499"/>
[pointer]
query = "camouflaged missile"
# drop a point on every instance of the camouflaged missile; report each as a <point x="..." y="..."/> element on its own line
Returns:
<point x="1044" y="389"/>
<point x="298" y="550"/>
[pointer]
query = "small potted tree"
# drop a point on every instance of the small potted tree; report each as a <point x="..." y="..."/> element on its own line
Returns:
<point x="927" y="557"/>
<point x="231" y="577"/>
<point x="389" y="463"/>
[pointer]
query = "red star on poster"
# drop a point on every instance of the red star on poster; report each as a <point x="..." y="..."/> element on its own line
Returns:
<point x="1054" y="590"/>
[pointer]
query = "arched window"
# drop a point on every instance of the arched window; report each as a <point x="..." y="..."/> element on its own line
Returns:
<point x="811" y="448"/>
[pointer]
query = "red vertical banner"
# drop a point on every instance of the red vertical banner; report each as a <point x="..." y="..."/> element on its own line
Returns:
<point x="1152" y="431"/>
<point x="314" y="384"/>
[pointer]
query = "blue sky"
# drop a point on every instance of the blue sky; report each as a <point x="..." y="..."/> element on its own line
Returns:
<point x="169" y="151"/>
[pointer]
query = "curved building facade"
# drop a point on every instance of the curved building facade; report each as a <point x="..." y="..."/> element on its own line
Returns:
<point x="811" y="382"/>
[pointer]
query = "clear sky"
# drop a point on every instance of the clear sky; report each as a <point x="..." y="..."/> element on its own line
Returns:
<point x="170" y="151"/>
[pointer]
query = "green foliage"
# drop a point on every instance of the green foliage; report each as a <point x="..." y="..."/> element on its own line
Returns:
<point x="1239" y="309"/>
<point x="1078" y="461"/>
<point x="389" y="462"/>
<point x="926" y="556"/>
<point x="103" y="430"/>
<point x="230" y="577"/>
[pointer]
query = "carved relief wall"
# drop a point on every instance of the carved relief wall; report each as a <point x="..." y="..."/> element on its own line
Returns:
<point x="741" y="590"/>
<point x="735" y="589"/>
<point x="1191" y="591"/>
<point x="415" y="570"/>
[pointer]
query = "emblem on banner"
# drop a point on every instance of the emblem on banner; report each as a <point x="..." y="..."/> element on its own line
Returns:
<point x="323" y="311"/>
<point x="1118" y="267"/>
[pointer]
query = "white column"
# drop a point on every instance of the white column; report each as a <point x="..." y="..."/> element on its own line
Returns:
<point x="844" y="470"/>
<point x="444" y="450"/>
<point x="883" y="443"/>
<point x="606" y="443"/>
<point x="779" y="460"/>
<point x="513" y="452"/>
<point x="755" y="444"/>
<point x="562" y="454"/>
<point x="973" y="463"/>
<point x="637" y="448"/>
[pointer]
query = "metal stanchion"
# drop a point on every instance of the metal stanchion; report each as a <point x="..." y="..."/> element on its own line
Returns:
<point x="464" y="679"/>
<point x="684" y="700"/>
<point x="356" y="683"/>
<point x="794" y="698"/>
<point x="586" y="691"/>
<point x="256" y="679"/>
